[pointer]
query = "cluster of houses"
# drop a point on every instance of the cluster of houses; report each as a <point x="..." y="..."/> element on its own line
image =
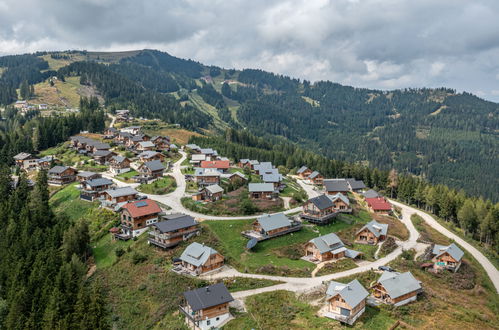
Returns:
<point x="28" y="162"/>
<point x="23" y="105"/>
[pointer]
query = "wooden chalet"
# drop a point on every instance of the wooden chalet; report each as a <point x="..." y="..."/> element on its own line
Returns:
<point x="119" y="164"/>
<point x="145" y="146"/>
<point x="316" y="178"/>
<point x="151" y="170"/>
<point x="103" y="156"/>
<point x="136" y="216"/>
<point x="447" y="257"/>
<point x="198" y="259"/>
<point x="60" y="175"/>
<point x="242" y="162"/>
<point x="110" y="133"/>
<point x="161" y="142"/>
<point x="147" y="156"/>
<point x="345" y="302"/>
<point x="263" y="167"/>
<point x="372" y="233"/>
<point x="118" y="195"/>
<point x="379" y="205"/>
<point x="134" y="130"/>
<point x="335" y="186"/>
<point x="237" y="177"/>
<point x="341" y="203"/>
<point x="319" y="210"/>
<point x="122" y="115"/>
<point x="84" y="176"/>
<point x="94" y="188"/>
<point x="196" y="159"/>
<point x="355" y="185"/>
<point x="304" y="172"/>
<point x="172" y="230"/>
<point x="20" y="158"/>
<point x="131" y="142"/>
<point x="206" y="177"/>
<point x="262" y="191"/>
<point x="207" y="308"/>
<point x="328" y="247"/>
<point x="396" y="289"/>
<point x="273" y="177"/>
<point x="272" y="225"/>
<point x="212" y="193"/>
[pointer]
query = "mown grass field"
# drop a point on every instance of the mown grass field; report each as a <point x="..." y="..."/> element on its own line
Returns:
<point x="279" y="256"/>
<point x="67" y="202"/>
<point x="162" y="186"/>
<point x="127" y="177"/>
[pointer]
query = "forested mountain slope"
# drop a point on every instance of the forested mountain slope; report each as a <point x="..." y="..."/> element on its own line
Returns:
<point x="444" y="136"/>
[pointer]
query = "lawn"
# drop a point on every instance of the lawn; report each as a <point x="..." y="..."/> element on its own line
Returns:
<point x="235" y="284"/>
<point x="66" y="156"/>
<point x="67" y="201"/>
<point x="127" y="177"/>
<point x="104" y="249"/>
<point x="427" y="233"/>
<point x="276" y="256"/>
<point x="336" y="267"/>
<point x="162" y="186"/>
<point x="367" y="250"/>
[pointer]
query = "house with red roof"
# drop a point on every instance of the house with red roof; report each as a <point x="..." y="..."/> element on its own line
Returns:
<point x="137" y="216"/>
<point x="379" y="205"/>
<point x="219" y="165"/>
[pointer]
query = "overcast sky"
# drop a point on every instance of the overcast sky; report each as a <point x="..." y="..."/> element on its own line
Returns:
<point x="383" y="44"/>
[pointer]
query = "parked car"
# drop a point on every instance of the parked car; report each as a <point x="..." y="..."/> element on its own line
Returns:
<point x="386" y="268"/>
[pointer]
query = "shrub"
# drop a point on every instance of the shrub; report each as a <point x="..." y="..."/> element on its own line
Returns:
<point x="119" y="252"/>
<point x="138" y="258"/>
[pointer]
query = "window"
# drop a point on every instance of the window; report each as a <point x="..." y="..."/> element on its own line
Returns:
<point x="217" y="318"/>
<point x="208" y="322"/>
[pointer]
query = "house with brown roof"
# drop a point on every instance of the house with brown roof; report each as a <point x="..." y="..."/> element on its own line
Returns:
<point x="207" y="308"/>
<point x="372" y="233"/>
<point x="137" y="216"/>
<point x="379" y="205"/>
<point x="172" y="230"/>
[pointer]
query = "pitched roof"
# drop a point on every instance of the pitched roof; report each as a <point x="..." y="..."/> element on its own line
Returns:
<point x="378" y="204"/>
<point x="254" y="162"/>
<point x="102" y="153"/>
<point x="322" y="202"/>
<point x="170" y="225"/>
<point x="344" y="198"/>
<point x="142" y="207"/>
<point x="353" y="293"/>
<point x="370" y="194"/>
<point x="218" y="164"/>
<point x="197" y="254"/>
<point x="272" y="178"/>
<point x="239" y="174"/>
<point x="198" y="157"/>
<point x="327" y="243"/>
<point x="336" y="185"/>
<point x="397" y="284"/>
<point x="86" y="174"/>
<point x="263" y="166"/>
<point x="22" y="156"/>
<point x="207" y="151"/>
<point x="261" y="187"/>
<point x="154" y="165"/>
<point x="243" y="161"/>
<point x="453" y="250"/>
<point x="301" y="169"/>
<point x="146" y="144"/>
<point x="355" y="184"/>
<point x="119" y="159"/>
<point x="148" y="154"/>
<point x="98" y="182"/>
<point x="313" y="175"/>
<point x="193" y="146"/>
<point x="205" y="172"/>
<point x="376" y="228"/>
<point x="207" y="297"/>
<point x="58" y="169"/>
<point x="122" y="191"/>
<point x="214" y="189"/>
<point x="270" y="222"/>
<point x="99" y="145"/>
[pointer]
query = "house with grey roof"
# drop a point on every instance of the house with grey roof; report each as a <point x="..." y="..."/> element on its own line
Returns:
<point x="262" y="191"/>
<point x="148" y="155"/>
<point x="94" y="188"/>
<point x="193" y="147"/>
<point x="303" y="172"/>
<point x="272" y="225"/>
<point x="196" y="159"/>
<point x="85" y="175"/>
<point x="345" y="302"/>
<point x="327" y="247"/>
<point x="170" y="232"/>
<point x="242" y="162"/>
<point x="341" y="203"/>
<point x="206" y="176"/>
<point x="212" y="193"/>
<point x="60" y="175"/>
<point x="273" y="178"/>
<point x="119" y="164"/>
<point x="114" y="196"/>
<point x="370" y="194"/>
<point x="316" y="178"/>
<point x="150" y="170"/>
<point x="334" y="186"/>
<point x="319" y="210"/>
<point x="396" y="289"/>
<point x="372" y="232"/>
<point x="261" y="167"/>
<point x="103" y="156"/>
<point x="355" y="185"/>
<point x="207" y="308"/>
<point x="447" y="257"/>
<point x="198" y="259"/>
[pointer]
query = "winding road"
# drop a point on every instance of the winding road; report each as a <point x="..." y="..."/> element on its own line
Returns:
<point x="300" y="284"/>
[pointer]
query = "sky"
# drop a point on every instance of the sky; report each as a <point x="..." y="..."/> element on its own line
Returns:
<point x="382" y="44"/>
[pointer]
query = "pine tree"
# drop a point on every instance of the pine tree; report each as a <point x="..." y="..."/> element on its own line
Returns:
<point x="24" y="90"/>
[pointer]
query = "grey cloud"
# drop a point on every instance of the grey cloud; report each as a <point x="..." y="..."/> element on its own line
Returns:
<point x="371" y="43"/>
